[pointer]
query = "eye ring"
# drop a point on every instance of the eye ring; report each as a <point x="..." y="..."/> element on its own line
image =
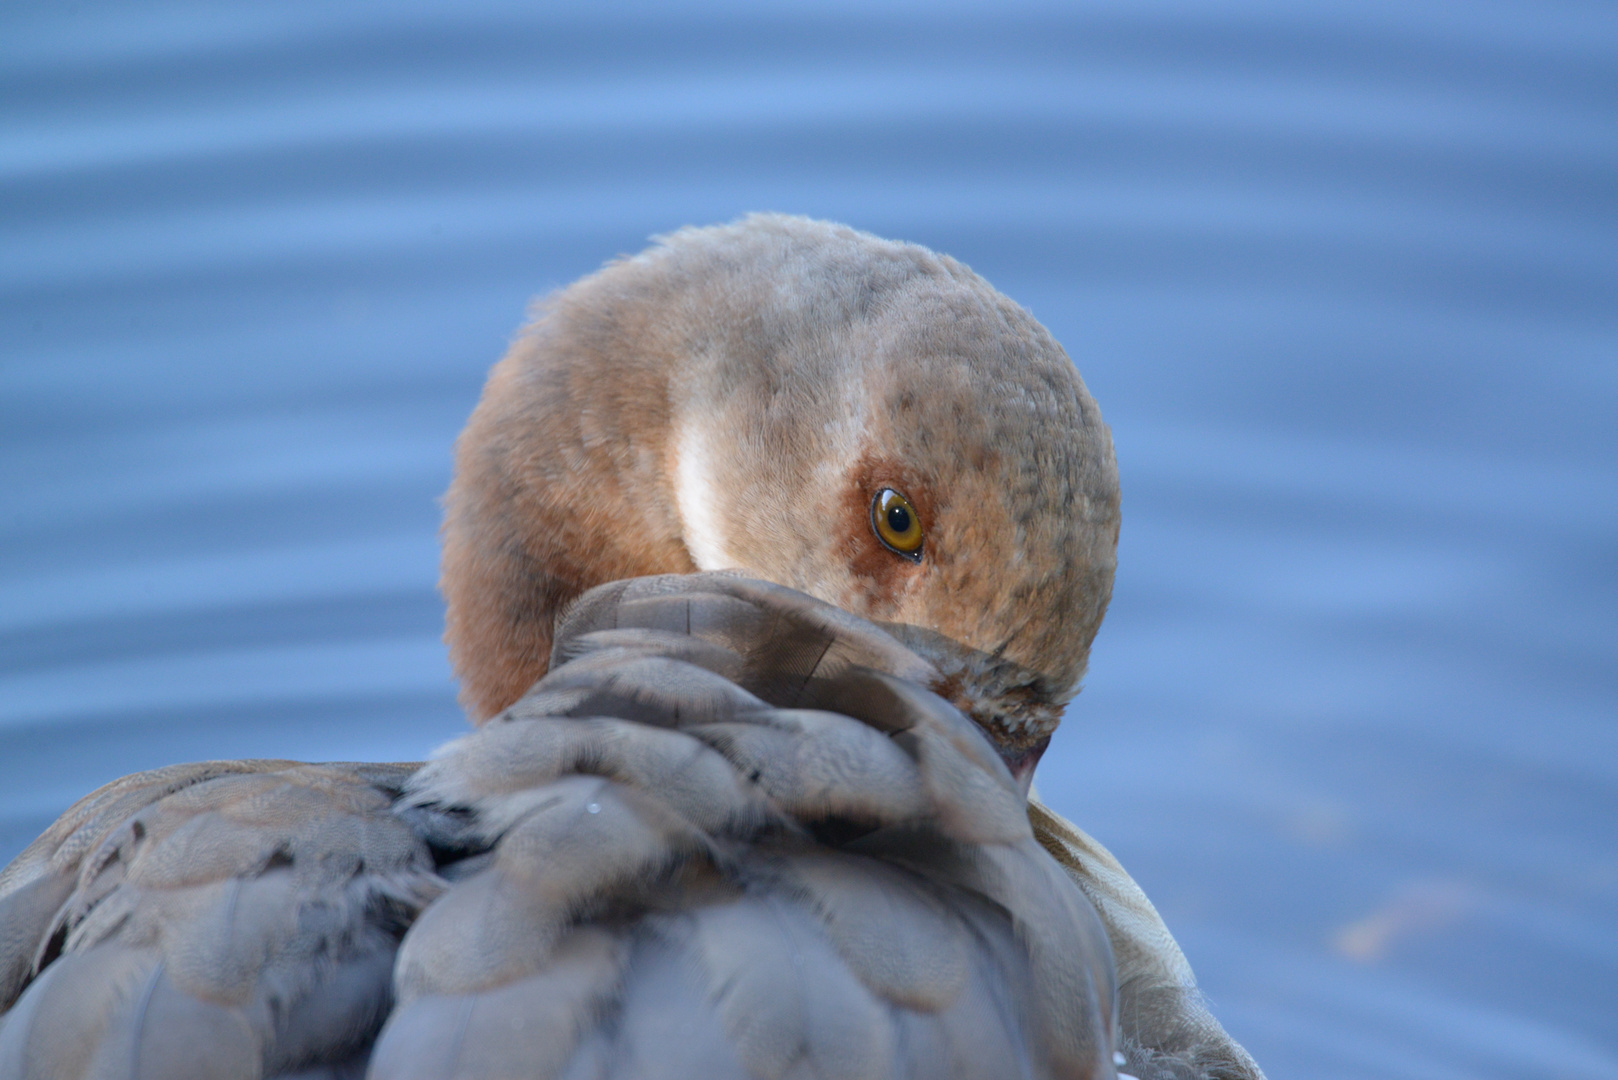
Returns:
<point x="896" y="524"/>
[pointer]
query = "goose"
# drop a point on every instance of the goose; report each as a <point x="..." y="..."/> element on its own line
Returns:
<point x="772" y="557"/>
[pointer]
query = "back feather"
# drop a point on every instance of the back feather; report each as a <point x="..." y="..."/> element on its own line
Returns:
<point x="730" y="834"/>
<point x="226" y="919"/>
<point x="698" y="869"/>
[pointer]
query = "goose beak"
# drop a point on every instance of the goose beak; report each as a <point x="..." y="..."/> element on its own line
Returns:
<point x="1023" y="762"/>
<point x="1011" y="704"/>
<point x="1018" y="737"/>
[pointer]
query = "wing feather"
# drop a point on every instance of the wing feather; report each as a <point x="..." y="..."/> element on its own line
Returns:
<point x="731" y="834"/>
<point x="219" y="920"/>
<point x="670" y="790"/>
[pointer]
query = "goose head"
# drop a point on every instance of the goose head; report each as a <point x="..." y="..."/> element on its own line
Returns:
<point x="861" y="420"/>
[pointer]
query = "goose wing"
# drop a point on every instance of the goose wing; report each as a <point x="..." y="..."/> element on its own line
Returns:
<point x="728" y="835"/>
<point x="222" y="919"/>
<point x="725" y="839"/>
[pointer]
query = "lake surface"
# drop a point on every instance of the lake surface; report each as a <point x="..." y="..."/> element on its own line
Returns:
<point x="1341" y="274"/>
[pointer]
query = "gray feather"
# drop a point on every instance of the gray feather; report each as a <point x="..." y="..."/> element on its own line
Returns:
<point x="816" y="765"/>
<point x="576" y="843"/>
<point x="656" y="788"/>
<point x="527" y="1026"/>
<point x="730" y="834"/>
<point x="226" y="919"/>
<point x="484" y="769"/>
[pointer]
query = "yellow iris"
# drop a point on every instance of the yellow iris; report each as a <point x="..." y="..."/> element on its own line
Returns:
<point x="896" y="523"/>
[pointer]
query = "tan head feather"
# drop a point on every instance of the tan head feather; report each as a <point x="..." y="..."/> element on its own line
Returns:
<point x="735" y="397"/>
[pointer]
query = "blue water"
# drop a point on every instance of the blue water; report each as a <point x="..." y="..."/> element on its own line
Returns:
<point x="1343" y="275"/>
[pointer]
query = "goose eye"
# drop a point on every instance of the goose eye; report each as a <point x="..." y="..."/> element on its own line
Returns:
<point x="897" y="524"/>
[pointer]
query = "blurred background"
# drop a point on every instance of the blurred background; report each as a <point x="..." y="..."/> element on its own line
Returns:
<point x="1343" y="275"/>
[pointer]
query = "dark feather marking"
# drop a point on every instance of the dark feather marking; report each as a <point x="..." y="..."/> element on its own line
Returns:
<point x="52" y="948"/>
<point x="814" y="668"/>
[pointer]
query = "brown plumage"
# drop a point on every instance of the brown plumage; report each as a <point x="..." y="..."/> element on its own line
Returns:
<point x="760" y="816"/>
<point x="733" y="399"/>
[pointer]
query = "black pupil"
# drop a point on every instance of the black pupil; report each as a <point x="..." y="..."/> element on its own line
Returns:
<point x="898" y="519"/>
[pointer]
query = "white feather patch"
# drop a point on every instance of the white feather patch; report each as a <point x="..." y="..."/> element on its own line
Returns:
<point x="694" y="494"/>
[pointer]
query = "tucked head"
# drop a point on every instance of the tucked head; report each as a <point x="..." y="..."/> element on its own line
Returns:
<point x="865" y="421"/>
